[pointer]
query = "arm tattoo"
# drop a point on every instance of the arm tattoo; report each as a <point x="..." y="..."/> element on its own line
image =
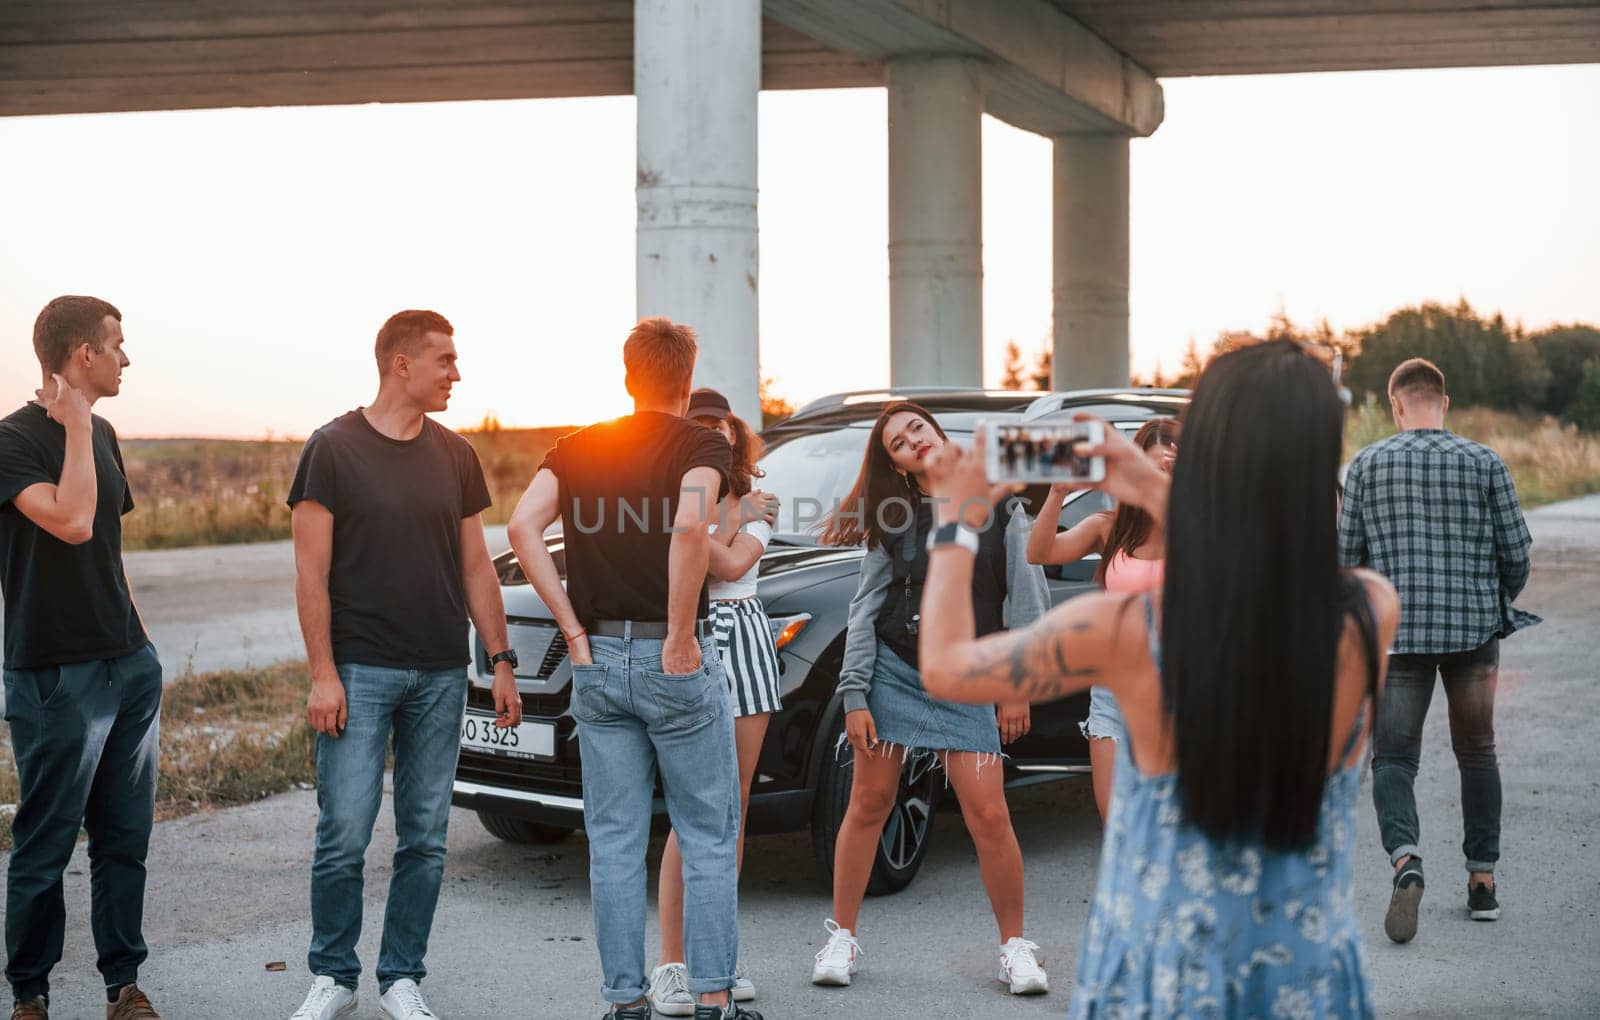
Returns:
<point x="1033" y="662"/>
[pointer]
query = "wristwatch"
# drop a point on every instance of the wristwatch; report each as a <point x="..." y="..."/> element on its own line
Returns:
<point x="954" y="533"/>
<point x="509" y="655"/>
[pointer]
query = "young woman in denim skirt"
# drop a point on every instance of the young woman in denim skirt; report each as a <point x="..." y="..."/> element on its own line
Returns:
<point x="1131" y="546"/>
<point x="744" y="643"/>
<point x="890" y="718"/>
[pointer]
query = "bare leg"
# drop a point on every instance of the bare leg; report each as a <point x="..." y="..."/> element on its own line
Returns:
<point x="748" y="733"/>
<point x="1103" y="763"/>
<point x="982" y="795"/>
<point x="872" y="793"/>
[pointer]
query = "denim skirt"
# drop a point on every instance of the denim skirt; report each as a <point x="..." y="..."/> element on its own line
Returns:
<point x="904" y="714"/>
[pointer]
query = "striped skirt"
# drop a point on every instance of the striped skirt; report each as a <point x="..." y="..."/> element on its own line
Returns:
<point x="749" y="659"/>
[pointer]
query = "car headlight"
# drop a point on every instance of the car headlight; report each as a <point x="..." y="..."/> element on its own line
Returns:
<point x="786" y="628"/>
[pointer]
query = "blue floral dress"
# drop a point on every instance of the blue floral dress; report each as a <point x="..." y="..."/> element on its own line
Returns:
<point x="1184" y="927"/>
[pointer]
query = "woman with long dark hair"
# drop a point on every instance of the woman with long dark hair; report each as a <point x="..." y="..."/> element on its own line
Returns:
<point x="888" y="715"/>
<point x="743" y="638"/>
<point x="1246" y="682"/>
<point x="1131" y="545"/>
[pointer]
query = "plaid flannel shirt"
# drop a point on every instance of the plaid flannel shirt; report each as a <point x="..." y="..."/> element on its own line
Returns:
<point x="1438" y="516"/>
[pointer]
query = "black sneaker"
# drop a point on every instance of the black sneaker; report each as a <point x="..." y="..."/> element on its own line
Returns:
<point x="732" y="1011"/>
<point x="628" y="1013"/>
<point x="1400" y="923"/>
<point x="1481" y="903"/>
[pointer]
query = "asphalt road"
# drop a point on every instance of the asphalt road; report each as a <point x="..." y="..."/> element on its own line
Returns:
<point x="513" y="935"/>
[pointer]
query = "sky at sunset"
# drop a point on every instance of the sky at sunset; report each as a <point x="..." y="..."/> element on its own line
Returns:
<point x="254" y="253"/>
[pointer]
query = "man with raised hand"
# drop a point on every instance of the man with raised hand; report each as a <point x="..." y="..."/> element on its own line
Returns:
<point x="635" y="496"/>
<point x="1437" y="514"/>
<point x="82" y="682"/>
<point x="390" y="561"/>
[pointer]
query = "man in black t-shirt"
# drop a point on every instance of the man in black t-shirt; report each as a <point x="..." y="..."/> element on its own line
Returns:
<point x="82" y="682"/>
<point x="635" y="496"/>
<point x="390" y="562"/>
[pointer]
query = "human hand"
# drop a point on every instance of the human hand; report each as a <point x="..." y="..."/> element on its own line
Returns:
<point x="1014" y="720"/>
<point x="66" y="405"/>
<point x="507" y="702"/>
<point x="326" y="711"/>
<point x="680" y="655"/>
<point x="959" y="483"/>
<point x="861" y="731"/>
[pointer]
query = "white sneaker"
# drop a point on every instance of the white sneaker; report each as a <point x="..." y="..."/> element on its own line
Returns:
<point x="744" y="990"/>
<point x="837" y="961"/>
<point x="327" y="1000"/>
<point x="669" y="990"/>
<point x="403" y="1001"/>
<point x="1020" y="969"/>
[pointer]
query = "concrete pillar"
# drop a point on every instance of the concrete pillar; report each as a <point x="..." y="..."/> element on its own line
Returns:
<point x="696" y="75"/>
<point x="935" y="222"/>
<point x="1091" y="262"/>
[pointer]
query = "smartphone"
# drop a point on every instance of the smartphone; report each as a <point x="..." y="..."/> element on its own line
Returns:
<point x="1032" y="454"/>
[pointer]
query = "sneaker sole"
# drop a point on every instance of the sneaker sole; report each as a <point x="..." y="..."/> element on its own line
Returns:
<point x="744" y="993"/>
<point x="1484" y="915"/>
<point x="830" y="979"/>
<point x="1040" y="987"/>
<point x="1400" y="923"/>
<point x="672" y="1008"/>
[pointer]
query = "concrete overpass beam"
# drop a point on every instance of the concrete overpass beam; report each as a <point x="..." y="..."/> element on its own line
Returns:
<point x="1091" y="261"/>
<point x="697" y="73"/>
<point x="935" y="222"/>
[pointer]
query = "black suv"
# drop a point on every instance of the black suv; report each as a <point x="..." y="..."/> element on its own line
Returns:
<point x="532" y="790"/>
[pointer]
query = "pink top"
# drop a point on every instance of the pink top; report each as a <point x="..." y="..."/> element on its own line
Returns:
<point x="1128" y="576"/>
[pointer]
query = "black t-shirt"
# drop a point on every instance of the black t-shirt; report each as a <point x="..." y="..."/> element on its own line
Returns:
<point x="619" y="496"/>
<point x="908" y="553"/>
<point x="64" y="603"/>
<point x="397" y="505"/>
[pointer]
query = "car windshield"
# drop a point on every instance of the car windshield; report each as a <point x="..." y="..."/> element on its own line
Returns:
<point x="808" y="473"/>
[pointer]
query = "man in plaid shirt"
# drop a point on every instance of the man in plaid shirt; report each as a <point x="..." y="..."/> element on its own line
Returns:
<point x="1437" y="515"/>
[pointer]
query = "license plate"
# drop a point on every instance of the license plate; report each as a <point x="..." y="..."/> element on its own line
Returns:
<point x="527" y="740"/>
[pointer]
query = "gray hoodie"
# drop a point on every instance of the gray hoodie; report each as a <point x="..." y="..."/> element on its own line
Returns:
<point x="1027" y="599"/>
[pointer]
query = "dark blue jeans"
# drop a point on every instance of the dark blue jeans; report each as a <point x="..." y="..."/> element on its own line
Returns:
<point x="1469" y="681"/>
<point x="423" y="709"/>
<point x="85" y="737"/>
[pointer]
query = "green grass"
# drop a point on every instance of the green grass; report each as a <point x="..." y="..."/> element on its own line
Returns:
<point x="226" y="738"/>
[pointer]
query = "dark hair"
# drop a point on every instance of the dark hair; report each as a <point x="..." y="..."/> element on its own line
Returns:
<point x="1130" y="525"/>
<point x="659" y="357"/>
<point x="881" y="498"/>
<point x="404" y="334"/>
<point x="1253" y="607"/>
<point x="67" y="323"/>
<point x="1419" y="376"/>
<point x="747" y="449"/>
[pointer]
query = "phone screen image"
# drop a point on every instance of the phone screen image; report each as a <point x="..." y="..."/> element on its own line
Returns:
<point x="1043" y="453"/>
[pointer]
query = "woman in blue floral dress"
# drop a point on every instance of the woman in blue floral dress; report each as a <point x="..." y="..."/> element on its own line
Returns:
<point x="1246" y="682"/>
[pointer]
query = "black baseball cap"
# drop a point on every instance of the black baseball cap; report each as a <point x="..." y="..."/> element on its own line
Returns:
<point x="708" y="403"/>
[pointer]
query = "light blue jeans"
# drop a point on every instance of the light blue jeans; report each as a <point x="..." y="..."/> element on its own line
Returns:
<point x="424" y="709"/>
<point x="633" y="718"/>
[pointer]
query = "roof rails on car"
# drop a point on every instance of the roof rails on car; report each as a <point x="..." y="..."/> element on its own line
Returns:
<point x="1051" y="403"/>
<point x="838" y="401"/>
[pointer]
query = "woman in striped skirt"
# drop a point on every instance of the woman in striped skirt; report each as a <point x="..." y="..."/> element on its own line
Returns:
<point x="750" y="661"/>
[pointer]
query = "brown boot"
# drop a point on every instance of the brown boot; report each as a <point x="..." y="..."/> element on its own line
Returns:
<point x="131" y="1004"/>
<point x="33" y="1009"/>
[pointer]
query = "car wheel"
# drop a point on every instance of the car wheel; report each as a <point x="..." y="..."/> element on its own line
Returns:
<point x="906" y="833"/>
<point x="520" y="830"/>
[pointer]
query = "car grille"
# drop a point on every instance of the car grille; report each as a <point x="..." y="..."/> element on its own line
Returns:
<point x="543" y="706"/>
<point x="542" y="776"/>
<point x="552" y="658"/>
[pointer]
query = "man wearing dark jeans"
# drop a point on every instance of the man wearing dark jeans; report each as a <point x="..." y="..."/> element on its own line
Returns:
<point x="1438" y="516"/>
<point x="635" y="495"/>
<point x="390" y="561"/>
<point x="82" y="683"/>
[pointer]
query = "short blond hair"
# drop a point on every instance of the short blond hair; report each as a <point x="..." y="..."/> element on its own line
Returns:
<point x="659" y="357"/>
<point x="1417" y="376"/>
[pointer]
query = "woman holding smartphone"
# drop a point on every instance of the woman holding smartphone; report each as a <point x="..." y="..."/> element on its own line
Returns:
<point x="743" y="638"/>
<point x="1131" y="545"/>
<point x="889" y="716"/>
<point x="1247" y="681"/>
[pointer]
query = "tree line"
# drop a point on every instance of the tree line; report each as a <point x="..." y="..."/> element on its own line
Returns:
<point x="1487" y="361"/>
